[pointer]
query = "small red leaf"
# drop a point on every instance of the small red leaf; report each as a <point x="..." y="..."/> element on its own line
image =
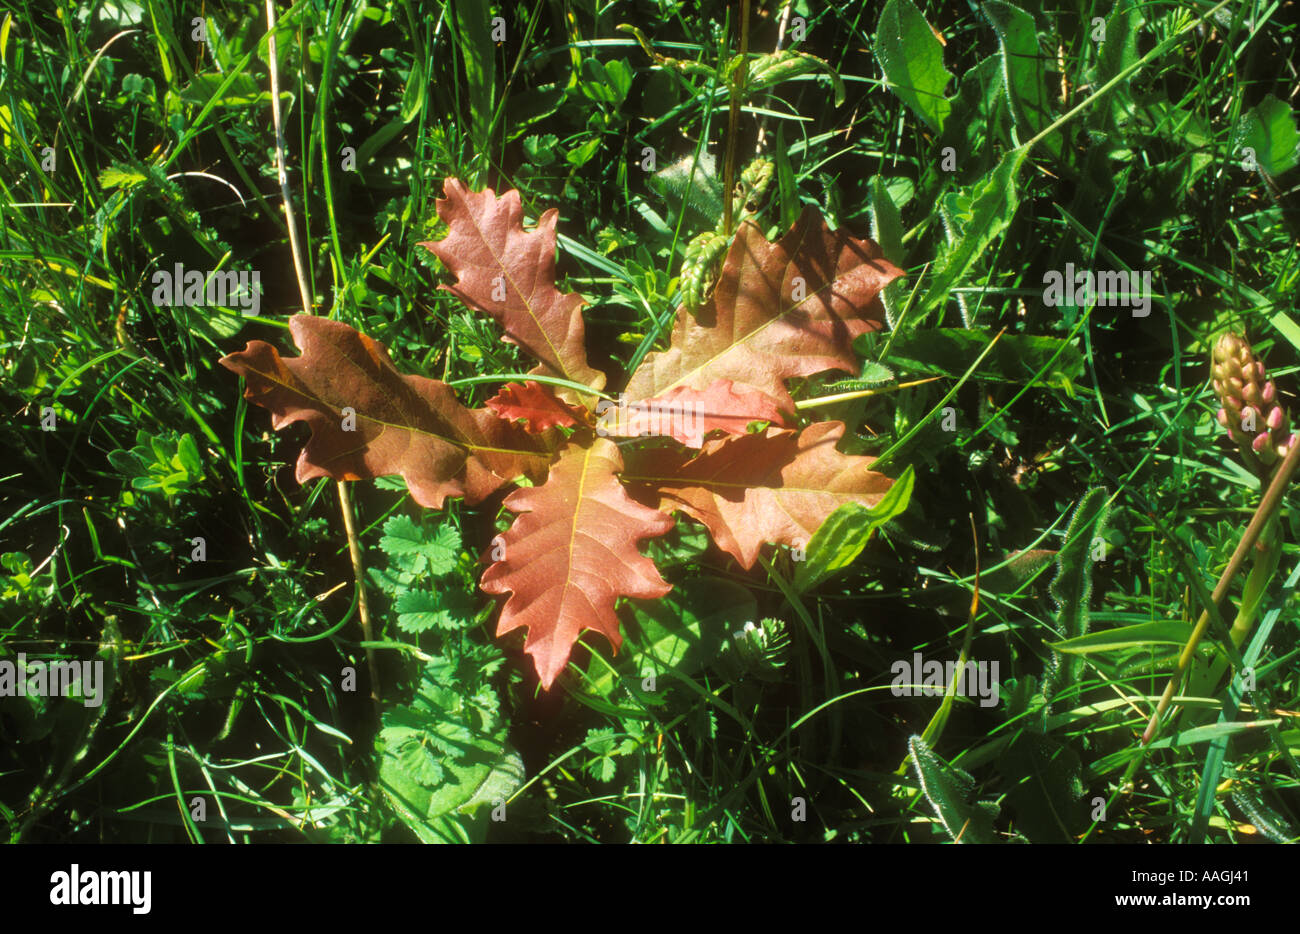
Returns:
<point x="531" y="402"/>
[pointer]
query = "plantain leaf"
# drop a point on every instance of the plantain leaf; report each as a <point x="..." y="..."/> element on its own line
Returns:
<point x="846" y="532"/>
<point x="949" y="791"/>
<point x="1072" y="585"/>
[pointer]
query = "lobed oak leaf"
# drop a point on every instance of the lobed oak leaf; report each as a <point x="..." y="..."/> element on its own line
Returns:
<point x="509" y="273"/>
<point x="571" y="553"/>
<point x="533" y="403"/>
<point x="404" y="425"/>
<point x="688" y="414"/>
<point x="775" y="486"/>
<point x="784" y="309"/>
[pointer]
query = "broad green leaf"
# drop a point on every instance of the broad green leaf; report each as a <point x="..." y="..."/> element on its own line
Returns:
<point x="912" y="58"/>
<point x="981" y="116"/>
<point x="846" y="532"/>
<point x="436" y="549"/>
<point x="1156" y="632"/>
<point x="1015" y="358"/>
<point x="121" y="176"/>
<point x="949" y="791"/>
<point x="1268" y="131"/>
<point x="420" y="610"/>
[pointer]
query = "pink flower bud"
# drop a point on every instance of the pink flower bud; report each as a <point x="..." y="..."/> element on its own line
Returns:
<point x="1269" y="392"/>
<point x="1260" y="442"/>
<point x="1222" y="417"/>
<point x="1276" y="418"/>
<point x="1252" y="395"/>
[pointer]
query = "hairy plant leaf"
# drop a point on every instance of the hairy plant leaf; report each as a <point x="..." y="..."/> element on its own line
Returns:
<point x="533" y="403"/>
<point x="777" y="486"/>
<point x="950" y="790"/>
<point x="689" y="414"/>
<point x="571" y="553"/>
<point x="404" y="425"/>
<point x="509" y="273"/>
<point x="1072" y="586"/>
<point x="1024" y="71"/>
<point x="976" y="216"/>
<point x="784" y="309"/>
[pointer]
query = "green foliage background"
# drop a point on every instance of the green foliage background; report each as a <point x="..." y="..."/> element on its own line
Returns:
<point x="1110" y="136"/>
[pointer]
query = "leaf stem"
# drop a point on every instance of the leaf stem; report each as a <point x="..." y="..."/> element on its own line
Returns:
<point x="548" y="380"/>
<point x="859" y="394"/>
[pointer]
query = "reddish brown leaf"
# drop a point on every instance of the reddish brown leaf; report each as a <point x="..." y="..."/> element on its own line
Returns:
<point x="532" y="402"/>
<point x="757" y="332"/>
<point x="688" y="414"/>
<point x="404" y="425"/>
<point x="777" y="486"/>
<point x="509" y="273"/>
<point x="571" y="553"/>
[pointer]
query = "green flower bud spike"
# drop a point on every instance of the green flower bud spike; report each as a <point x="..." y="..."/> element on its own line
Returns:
<point x="1249" y="408"/>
